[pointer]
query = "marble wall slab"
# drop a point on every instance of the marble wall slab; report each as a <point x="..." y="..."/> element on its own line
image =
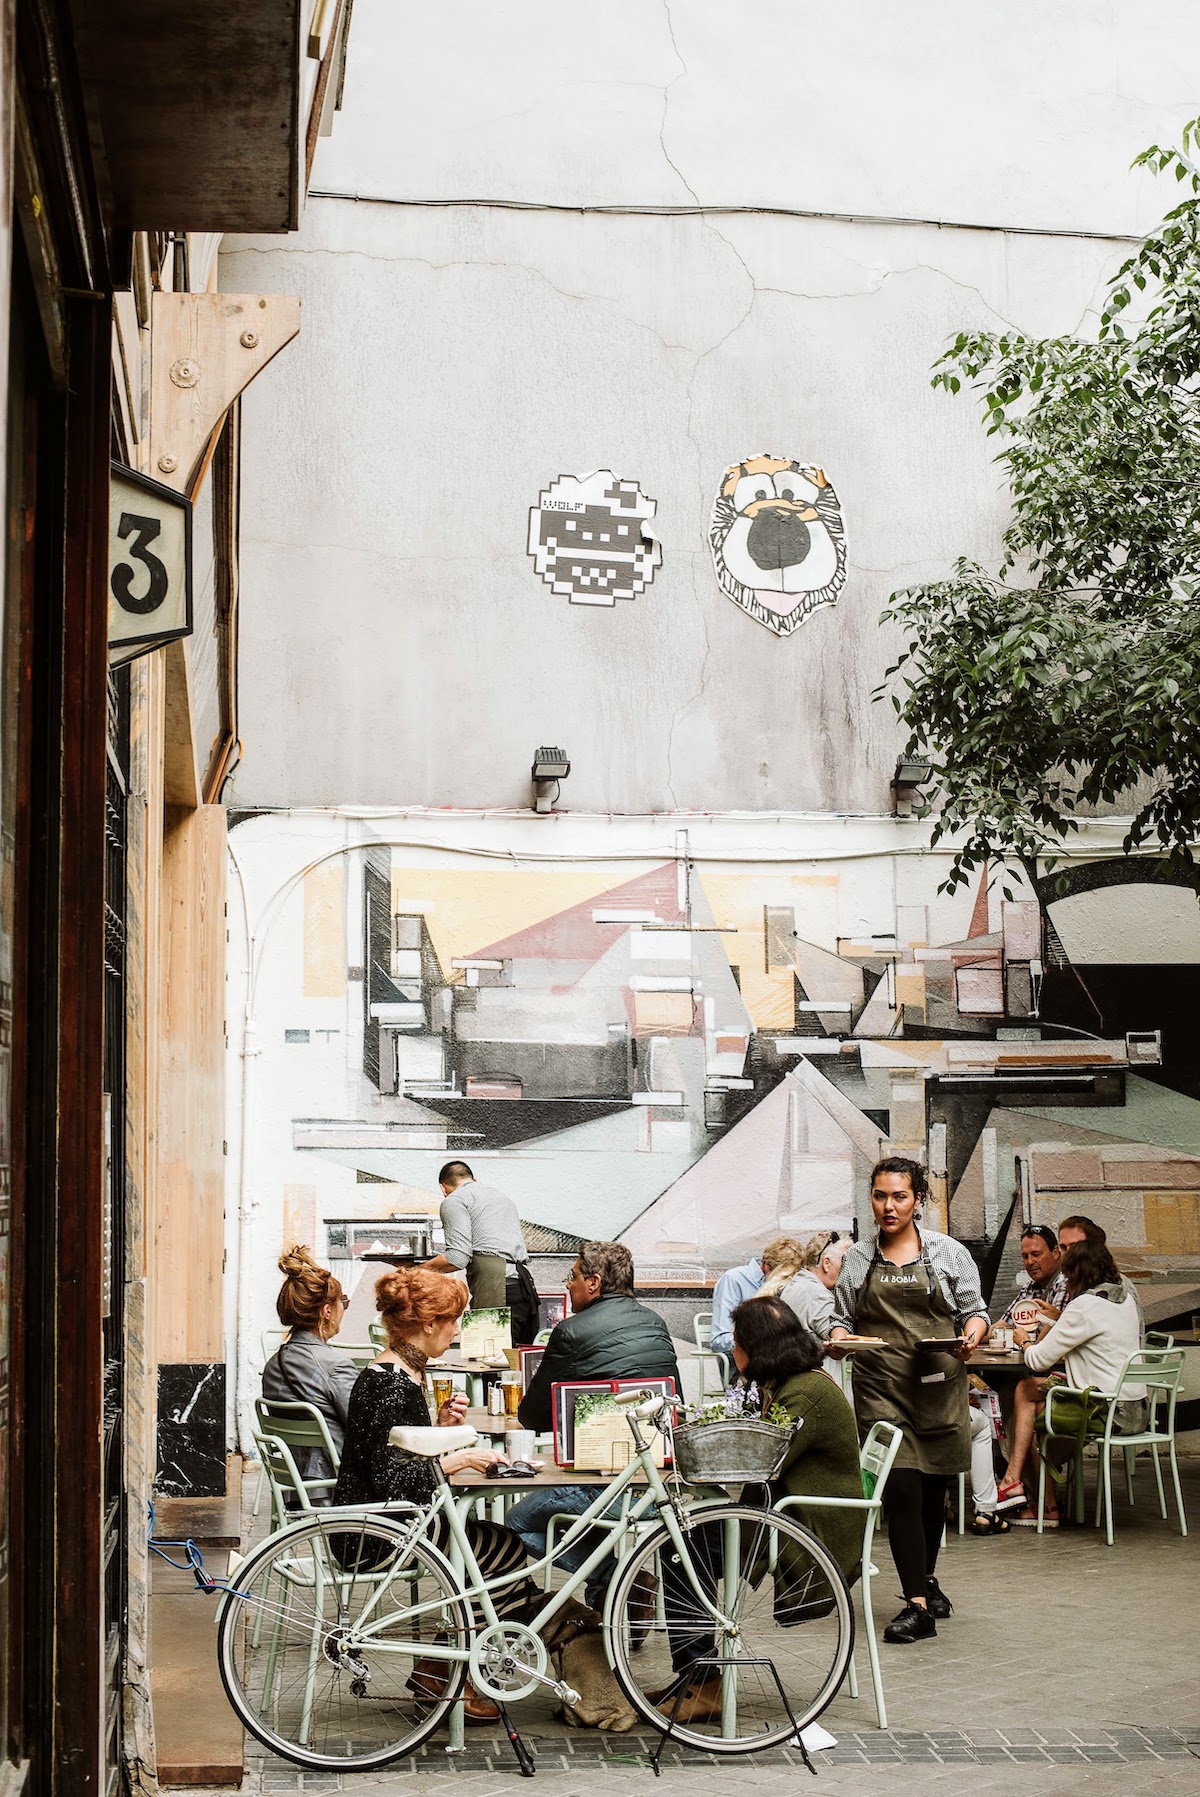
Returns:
<point x="191" y="1429"/>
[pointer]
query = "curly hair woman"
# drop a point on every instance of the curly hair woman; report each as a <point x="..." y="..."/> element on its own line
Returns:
<point x="420" y="1311"/>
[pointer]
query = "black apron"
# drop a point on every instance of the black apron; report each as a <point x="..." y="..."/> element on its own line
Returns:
<point x="492" y="1287"/>
<point x="923" y="1394"/>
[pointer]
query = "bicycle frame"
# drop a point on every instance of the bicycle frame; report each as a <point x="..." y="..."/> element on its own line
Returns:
<point x="461" y="1559"/>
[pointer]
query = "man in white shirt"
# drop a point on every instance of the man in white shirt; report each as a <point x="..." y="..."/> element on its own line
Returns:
<point x="485" y="1242"/>
<point x="740" y="1283"/>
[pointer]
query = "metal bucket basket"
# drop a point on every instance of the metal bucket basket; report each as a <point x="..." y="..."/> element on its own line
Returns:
<point x="734" y="1452"/>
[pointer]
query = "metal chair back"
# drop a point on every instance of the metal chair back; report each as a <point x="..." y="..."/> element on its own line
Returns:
<point x="298" y="1424"/>
<point x="283" y="1476"/>
<point x="705" y="1352"/>
<point x="877" y="1456"/>
<point x="1160" y="1370"/>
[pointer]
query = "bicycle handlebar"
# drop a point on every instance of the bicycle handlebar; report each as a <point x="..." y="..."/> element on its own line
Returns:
<point x="647" y="1404"/>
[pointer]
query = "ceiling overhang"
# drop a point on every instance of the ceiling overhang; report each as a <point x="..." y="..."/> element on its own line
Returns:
<point x="197" y="110"/>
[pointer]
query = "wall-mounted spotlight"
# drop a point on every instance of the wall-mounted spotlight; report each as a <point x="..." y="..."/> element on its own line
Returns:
<point x="912" y="772"/>
<point x="550" y="766"/>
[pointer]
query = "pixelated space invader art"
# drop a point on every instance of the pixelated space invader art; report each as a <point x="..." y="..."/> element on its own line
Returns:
<point x="777" y="539"/>
<point x="590" y="539"/>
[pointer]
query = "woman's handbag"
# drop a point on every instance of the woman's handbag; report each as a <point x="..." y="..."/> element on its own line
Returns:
<point x="1078" y="1416"/>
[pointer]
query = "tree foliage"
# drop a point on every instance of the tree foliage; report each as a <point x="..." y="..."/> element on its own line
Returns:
<point x="1072" y="673"/>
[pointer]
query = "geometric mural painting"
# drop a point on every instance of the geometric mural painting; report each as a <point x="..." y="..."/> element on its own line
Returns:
<point x="696" y="1055"/>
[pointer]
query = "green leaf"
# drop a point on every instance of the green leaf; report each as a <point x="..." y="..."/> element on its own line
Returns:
<point x="1055" y="680"/>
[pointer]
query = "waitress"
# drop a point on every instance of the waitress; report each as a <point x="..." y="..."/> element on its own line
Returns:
<point x="908" y="1286"/>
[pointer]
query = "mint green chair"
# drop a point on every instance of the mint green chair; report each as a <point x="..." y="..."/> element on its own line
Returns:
<point x="708" y="1358"/>
<point x="876" y="1458"/>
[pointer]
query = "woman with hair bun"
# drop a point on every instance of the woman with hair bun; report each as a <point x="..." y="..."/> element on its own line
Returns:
<point x="420" y="1311"/>
<point x="305" y="1368"/>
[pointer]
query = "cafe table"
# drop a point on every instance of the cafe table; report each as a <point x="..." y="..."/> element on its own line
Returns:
<point x="1003" y="1363"/>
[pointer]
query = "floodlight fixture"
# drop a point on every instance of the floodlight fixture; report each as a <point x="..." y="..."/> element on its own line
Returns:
<point x="912" y="772"/>
<point x="550" y="766"/>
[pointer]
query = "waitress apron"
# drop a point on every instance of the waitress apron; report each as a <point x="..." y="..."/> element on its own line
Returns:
<point x="924" y="1394"/>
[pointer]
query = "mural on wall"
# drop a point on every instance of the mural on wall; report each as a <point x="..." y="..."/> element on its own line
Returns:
<point x="695" y="1054"/>
<point x="590" y="539"/>
<point x="778" y="542"/>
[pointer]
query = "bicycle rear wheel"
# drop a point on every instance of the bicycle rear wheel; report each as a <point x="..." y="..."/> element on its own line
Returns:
<point x="775" y="1662"/>
<point x="317" y="1645"/>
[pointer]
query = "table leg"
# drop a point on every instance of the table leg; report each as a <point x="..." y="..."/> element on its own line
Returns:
<point x="456" y="1720"/>
<point x="732" y="1572"/>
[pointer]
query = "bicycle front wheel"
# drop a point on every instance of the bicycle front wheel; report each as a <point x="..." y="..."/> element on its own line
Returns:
<point x="773" y="1661"/>
<point x="327" y="1642"/>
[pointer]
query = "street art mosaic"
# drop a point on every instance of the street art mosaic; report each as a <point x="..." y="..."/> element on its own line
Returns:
<point x="777" y="539"/>
<point x="590" y="538"/>
<point x="694" y="1053"/>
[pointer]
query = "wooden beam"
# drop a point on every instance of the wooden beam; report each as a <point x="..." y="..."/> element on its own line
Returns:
<point x="181" y="775"/>
<point x="190" y="1221"/>
<point x="75" y="1319"/>
<point x="198" y="108"/>
<point x="205" y="349"/>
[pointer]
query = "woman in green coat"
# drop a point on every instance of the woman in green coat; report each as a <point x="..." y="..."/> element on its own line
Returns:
<point x="773" y="1350"/>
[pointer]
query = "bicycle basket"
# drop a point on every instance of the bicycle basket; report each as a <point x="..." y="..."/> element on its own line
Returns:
<point x="734" y="1452"/>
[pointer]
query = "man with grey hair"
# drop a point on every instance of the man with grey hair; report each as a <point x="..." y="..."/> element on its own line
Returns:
<point x="609" y="1336"/>
<point x="810" y="1293"/>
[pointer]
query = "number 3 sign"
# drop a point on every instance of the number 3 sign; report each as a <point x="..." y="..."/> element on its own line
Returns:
<point x="149" y="564"/>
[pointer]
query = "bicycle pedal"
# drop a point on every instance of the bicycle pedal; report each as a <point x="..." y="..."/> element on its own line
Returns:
<point x="565" y="1694"/>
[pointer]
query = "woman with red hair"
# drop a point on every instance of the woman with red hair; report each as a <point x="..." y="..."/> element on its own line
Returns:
<point x="420" y="1311"/>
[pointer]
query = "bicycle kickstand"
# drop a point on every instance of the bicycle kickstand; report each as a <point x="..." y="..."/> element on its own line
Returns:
<point x="524" y="1757"/>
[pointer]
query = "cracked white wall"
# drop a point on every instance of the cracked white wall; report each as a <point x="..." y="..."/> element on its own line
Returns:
<point x="397" y="646"/>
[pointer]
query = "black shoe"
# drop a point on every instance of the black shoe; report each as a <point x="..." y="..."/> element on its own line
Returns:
<point x="912" y="1624"/>
<point x="938" y="1603"/>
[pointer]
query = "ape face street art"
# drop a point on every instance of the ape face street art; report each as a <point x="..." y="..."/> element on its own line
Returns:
<point x="590" y="540"/>
<point x="777" y="539"/>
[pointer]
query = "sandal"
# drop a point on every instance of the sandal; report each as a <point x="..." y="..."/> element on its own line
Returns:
<point x="1011" y="1496"/>
<point x="1028" y="1520"/>
<point x="989" y="1522"/>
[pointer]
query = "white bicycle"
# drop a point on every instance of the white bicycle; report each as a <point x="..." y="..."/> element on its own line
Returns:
<point x="344" y="1639"/>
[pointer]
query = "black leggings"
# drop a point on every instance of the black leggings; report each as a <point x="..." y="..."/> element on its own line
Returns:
<point x="915" y="1506"/>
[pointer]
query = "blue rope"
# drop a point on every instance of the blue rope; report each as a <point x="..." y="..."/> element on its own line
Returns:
<point x="194" y="1562"/>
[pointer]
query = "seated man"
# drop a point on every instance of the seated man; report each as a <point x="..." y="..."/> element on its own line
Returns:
<point x="608" y="1336"/>
<point x="1041" y="1257"/>
<point x="981" y="1407"/>
<point x="750" y="1281"/>
<point x="810" y="1293"/>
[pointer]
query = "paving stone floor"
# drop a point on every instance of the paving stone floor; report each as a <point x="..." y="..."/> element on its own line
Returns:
<point x="1067" y="1666"/>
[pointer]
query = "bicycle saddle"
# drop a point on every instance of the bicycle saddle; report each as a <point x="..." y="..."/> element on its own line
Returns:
<point x="430" y="1443"/>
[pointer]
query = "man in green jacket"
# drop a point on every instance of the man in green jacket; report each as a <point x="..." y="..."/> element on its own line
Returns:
<point x="609" y="1336"/>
